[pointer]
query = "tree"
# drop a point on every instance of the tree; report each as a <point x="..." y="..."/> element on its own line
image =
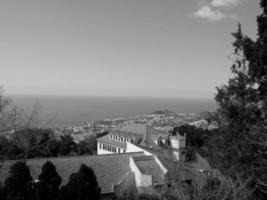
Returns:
<point x="18" y="184"/>
<point x="190" y="154"/>
<point x="82" y="185"/>
<point x="9" y="150"/>
<point x="243" y="109"/>
<point x="67" y="145"/>
<point x="8" y="123"/>
<point x="49" y="182"/>
<point x="88" y="145"/>
<point x="194" y="136"/>
<point x="218" y="189"/>
<point x="2" y="192"/>
<point x="8" y="113"/>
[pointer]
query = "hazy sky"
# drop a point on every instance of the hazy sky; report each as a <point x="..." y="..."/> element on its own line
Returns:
<point x="165" y="48"/>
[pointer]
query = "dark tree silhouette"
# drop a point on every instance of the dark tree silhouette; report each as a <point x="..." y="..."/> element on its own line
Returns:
<point x="49" y="182"/>
<point x="18" y="184"/>
<point x="2" y="192"/>
<point x="82" y="185"/>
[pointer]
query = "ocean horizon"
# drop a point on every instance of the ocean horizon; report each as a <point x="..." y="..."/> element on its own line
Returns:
<point x="74" y="110"/>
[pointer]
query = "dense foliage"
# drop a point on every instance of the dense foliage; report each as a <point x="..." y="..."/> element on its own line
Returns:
<point x="243" y="109"/>
<point x="34" y="143"/>
<point x="82" y="185"/>
<point x="49" y="182"/>
<point x="238" y="148"/>
<point x="17" y="185"/>
<point x="20" y="185"/>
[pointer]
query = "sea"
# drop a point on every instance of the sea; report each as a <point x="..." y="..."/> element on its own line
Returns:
<point x="62" y="111"/>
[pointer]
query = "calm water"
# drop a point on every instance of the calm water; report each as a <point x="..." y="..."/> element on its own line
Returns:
<point x="71" y="110"/>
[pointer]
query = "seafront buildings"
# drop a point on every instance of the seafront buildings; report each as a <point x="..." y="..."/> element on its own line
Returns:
<point x="162" y="121"/>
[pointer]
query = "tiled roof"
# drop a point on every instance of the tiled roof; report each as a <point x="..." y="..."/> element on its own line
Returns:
<point x="133" y="136"/>
<point x="155" y="134"/>
<point x="106" y="139"/>
<point x="165" y="156"/>
<point x="139" y="133"/>
<point x="150" y="136"/>
<point x="139" y="129"/>
<point x="148" y="165"/>
<point x="109" y="169"/>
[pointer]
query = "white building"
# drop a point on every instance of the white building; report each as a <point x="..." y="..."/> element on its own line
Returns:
<point x="115" y="141"/>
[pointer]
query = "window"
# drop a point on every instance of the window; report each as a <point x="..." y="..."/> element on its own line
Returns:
<point x="111" y="136"/>
<point x="128" y="139"/>
<point x="121" y="139"/>
<point x="116" y="138"/>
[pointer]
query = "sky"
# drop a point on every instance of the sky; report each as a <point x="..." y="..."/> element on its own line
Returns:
<point x="157" y="48"/>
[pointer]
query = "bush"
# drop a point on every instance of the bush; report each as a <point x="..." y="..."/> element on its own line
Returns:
<point x="18" y="183"/>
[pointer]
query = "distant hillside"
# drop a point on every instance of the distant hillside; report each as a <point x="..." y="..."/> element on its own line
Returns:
<point x="163" y="112"/>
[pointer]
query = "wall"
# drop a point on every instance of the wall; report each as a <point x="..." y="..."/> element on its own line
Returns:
<point x="133" y="148"/>
<point x="182" y="141"/>
<point x="105" y="151"/>
<point x="137" y="173"/>
<point x="163" y="168"/>
<point x="102" y="151"/>
<point x="141" y="180"/>
<point x="178" y="142"/>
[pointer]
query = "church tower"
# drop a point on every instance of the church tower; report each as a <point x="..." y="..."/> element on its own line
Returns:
<point x="177" y="142"/>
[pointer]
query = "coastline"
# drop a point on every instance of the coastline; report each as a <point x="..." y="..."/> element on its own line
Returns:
<point x="74" y="110"/>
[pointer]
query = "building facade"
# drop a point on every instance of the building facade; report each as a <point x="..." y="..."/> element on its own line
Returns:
<point x="115" y="141"/>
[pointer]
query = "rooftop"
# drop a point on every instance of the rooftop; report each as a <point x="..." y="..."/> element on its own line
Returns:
<point x="139" y="133"/>
<point x="148" y="165"/>
<point x="107" y="140"/>
<point x="139" y="129"/>
<point x="109" y="169"/>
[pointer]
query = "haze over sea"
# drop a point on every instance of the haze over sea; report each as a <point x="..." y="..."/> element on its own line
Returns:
<point x="74" y="110"/>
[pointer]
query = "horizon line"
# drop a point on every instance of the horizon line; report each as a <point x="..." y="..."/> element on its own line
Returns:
<point x="112" y="96"/>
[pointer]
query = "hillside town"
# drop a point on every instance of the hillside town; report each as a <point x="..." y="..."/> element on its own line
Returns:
<point x="129" y="156"/>
<point x="161" y="120"/>
<point x="132" y="158"/>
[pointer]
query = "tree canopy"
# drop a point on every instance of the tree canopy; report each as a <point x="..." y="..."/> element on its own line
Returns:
<point x="49" y="181"/>
<point x="17" y="185"/>
<point x="242" y="106"/>
<point x="82" y="185"/>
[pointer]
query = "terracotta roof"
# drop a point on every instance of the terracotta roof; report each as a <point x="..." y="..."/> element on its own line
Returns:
<point x="109" y="169"/>
<point x="148" y="165"/>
